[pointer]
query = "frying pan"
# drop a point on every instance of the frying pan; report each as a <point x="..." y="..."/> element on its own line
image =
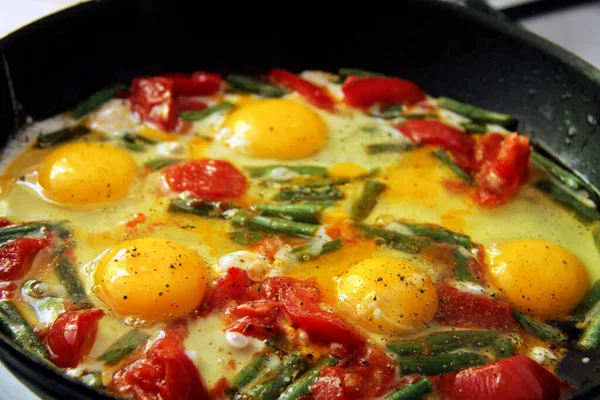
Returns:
<point x="446" y="49"/>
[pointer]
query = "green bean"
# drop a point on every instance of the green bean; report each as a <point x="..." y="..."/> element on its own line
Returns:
<point x="260" y="172"/>
<point x="477" y="114"/>
<point x="358" y="72"/>
<point x="591" y="298"/>
<point x="123" y="346"/>
<point x="539" y="329"/>
<point x="301" y="387"/>
<point x="439" y="234"/>
<point x="159" y="163"/>
<point x="389" y="112"/>
<point x="502" y="348"/>
<point x="414" y="391"/>
<point x="566" y="199"/>
<point x="439" y="364"/>
<point x="257" y="367"/>
<point x="16" y="327"/>
<point x="407" y="348"/>
<point x="274" y="224"/>
<point x="363" y="206"/>
<point x="442" y="342"/>
<point x="247" y="237"/>
<point x="443" y="157"/>
<point x="201" y="114"/>
<point x="96" y="100"/>
<point x="200" y="207"/>
<point x="304" y="212"/>
<point x="311" y="251"/>
<point x="471" y="127"/>
<point x="419" y="116"/>
<point x="378" y="148"/>
<point x="590" y="339"/>
<point x="311" y="194"/>
<point x="60" y="136"/>
<point x="247" y="84"/>
<point x="462" y="263"/>
<point x="278" y="379"/>
<point x="395" y="240"/>
<point x="69" y="278"/>
<point x="319" y="183"/>
<point x="13" y="232"/>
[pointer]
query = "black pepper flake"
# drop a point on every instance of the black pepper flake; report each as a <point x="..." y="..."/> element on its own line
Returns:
<point x="124" y="297"/>
<point x="160" y="293"/>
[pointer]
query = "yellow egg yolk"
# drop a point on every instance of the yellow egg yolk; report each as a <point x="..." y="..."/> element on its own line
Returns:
<point x="387" y="295"/>
<point x="152" y="279"/>
<point x="276" y="128"/>
<point x="539" y="277"/>
<point x="87" y="173"/>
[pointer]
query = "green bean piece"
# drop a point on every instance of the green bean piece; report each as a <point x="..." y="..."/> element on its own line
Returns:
<point x="419" y="116"/>
<point x="591" y="298"/>
<point x="274" y="224"/>
<point x="566" y="199"/>
<point x="93" y="379"/>
<point x="280" y="378"/>
<point x="319" y="183"/>
<point x="311" y="251"/>
<point x="51" y="139"/>
<point x="359" y="72"/>
<point x="442" y="342"/>
<point x="462" y="263"/>
<point x="257" y="367"/>
<point x="247" y="84"/>
<point x="159" y="163"/>
<point x="439" y="234"/>
<point x="477" y="114"/>
<point x="301" y="387"/>
<point x="247" y="237"/>
<point x="502" y="348"/>
<point x="123" y="346"/>
<point x="13" y="232"/>
<point x="200" y="208"/>
<point x="379" y="148"/>
<point x="16" y="327"/>
<point x="260" y="172"/>
<point x="443" y="157"/>
<point x="406" y="348"/>
<point x="201" y="114"/>
<point x="311" y="194"/>
<point x="304" y="212"/>
<point x="439" y="364"/>
<point x="471" y="127"/>
<point x="389" y="112"/>
<point x="395" y="240"/>
<point x="69" y="278"/>
<point x="539" y="329"/>
<point x="96" y="100"/>
<point x="363" y="206"/>
<point x="412" y="392"/>
<point x="590" y="339"/>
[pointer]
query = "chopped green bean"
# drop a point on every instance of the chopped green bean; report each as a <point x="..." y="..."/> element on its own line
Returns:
<point x="471" y="127"/>
<point x="319" y="183"/>
<point x="201" y="114"/>
<point x="159" y="163"/>
<point x="477" y="114"/>
<point x="442" y="342"/>
<point x="123" y="346"/>
<point x="439" y="234"/>
<point x="260" y="172"/>
<point x="378" y="148"/>
<point x="566" y="199"/>
<point x="413" y="391"/>
<point x="13" y="232"/>
<point x="69" y="278"/>
<point x="439" y="364"/>
<point x="443" y="157"/>
<point x="590" y="339"/>
<point x="60" y="136"/>
<point x="406" y="348"/>
<point x="363" y="206"/>
<point x="539" y="329"/>
<point x="200" y="207"/>
<point x="303" y="212"/>
<point x="249" y="374"/>
<point x="311" y="194"/>
<point x="419" y="116"/>
<point x="274" y="224"/>
<point x="280" y="378"/>
<point x="462" y="263"/>
<point x="358" y="72"/>
<point x="16" y="327"/>
<point x="247" y="237"/>
<point x="247" y="84"/>
<point x="591" y="298"/>
<point x="395" y="240"/>
<point x="96" y="100"/>
<point x="502" y="348"/>
<point x="301" y="387"/>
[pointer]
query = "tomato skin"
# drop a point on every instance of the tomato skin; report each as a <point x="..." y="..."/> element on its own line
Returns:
<point x="208" y="179"/>
<point x="188" y="104"/>
<point x="517" y="377"/>
<point x="365" y="92"/>
<point x="16" y="257"/>
<point x="152" y="99"/>
<point x="71" y="336"/>
<point x="200" y="83"/>
<point x="314" y="94"/>
<point x="7" y="289"/>
<point x="4" y="222"/>
<point x="462" y="309"/>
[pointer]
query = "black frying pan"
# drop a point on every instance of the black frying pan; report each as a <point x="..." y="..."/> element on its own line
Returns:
<point x="448" y="50"/>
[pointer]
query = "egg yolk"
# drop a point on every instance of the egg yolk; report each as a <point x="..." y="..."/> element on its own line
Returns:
<point x="539" y="277"/>
<point x="276" y="128"/>
<point x="387" y="295"/>
<point x="86" y="173"/>
<point x="152" y="279"/>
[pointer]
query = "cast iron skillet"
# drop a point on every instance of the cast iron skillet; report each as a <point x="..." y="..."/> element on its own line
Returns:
<point x="448" y="50"/>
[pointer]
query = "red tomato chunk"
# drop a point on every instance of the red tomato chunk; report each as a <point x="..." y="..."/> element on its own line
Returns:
<point x="16" y="257"/>
<point x="314" y="94"/>
<point x="366" y="92"/>
<point x="153" y="100"/>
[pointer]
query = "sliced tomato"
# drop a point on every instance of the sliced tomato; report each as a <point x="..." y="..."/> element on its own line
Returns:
<point x="4" y="222"/>
<point x="314" y="94"/>
<point x="153" y="100"/>
<point x="501" y="176"/>
<point x="487" y="148"/>
<point x="188" y="104"/>
<point x="235" y="287"/>
<point x="7" y="289"/>
<point x="16" y="257"/>
<point x="198" y="84"/>
<point x="256" y="318"/>
<point x="384" y="91"/>
<point x="165" y="373"/>
<point x="71" y="337"/>
<point x="462" y="309"/>
<point x="208" y="179"/>
<point x="460" y="144"/>
<point x="516" y="377"/>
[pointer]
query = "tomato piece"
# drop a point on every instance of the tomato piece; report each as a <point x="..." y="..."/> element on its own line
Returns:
<point x="4" y="222"/>
<point x="517" y="377"/>
<point x="189" y="104"/>
<point x="153" y="100"/>
<point x="462" y="309"/>
<point x="207" y="179"/>
<point x="257" y="318"/>
<point x="460" y="144"/>
<point x="501" y="176"/>
<point x="166" y="372"/>
<point x="384" y="91"/>
<point x="7" y="289"/>
<point x="71" y="336"/>
<point x="16" y="257"/>
<point x="487" y="148"/>
<point x="198" y="84"/>
<point x="314" y="94"/>
<point x="234" y="287"/>
<point x="330" y="385"/>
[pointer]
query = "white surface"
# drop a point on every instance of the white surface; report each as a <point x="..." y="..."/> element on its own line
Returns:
<point x="575" y="29"/>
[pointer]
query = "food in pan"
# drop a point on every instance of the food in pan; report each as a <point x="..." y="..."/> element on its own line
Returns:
<point x="314" y="236"/>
